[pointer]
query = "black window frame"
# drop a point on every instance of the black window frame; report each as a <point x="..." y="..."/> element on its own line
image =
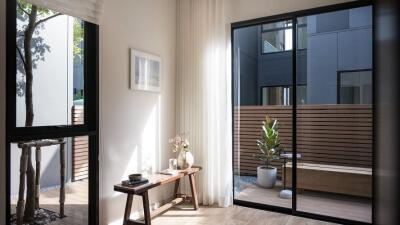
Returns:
<point x="90" y="127"/>
<point x="293" y="16"/>
<point x="90" y="69"/>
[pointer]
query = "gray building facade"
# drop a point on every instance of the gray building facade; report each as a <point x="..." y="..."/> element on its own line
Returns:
<point x="334" y="60"/>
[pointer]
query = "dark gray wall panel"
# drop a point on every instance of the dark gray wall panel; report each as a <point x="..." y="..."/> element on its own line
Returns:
<point x="322" y="69"/>
<point x="355" y="49"/>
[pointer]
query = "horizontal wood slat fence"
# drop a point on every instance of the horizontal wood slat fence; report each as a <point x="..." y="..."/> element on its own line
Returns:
<point x="80" y="148"/>
<point x="326" y="134"/>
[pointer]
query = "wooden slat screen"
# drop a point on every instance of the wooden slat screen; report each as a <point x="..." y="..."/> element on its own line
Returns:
<point x="80" y="148"/>
<point x="326" y="134"/>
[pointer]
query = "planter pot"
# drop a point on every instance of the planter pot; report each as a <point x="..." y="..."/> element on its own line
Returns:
<point x="266" y="177"/>
<point x="185" y="160"/>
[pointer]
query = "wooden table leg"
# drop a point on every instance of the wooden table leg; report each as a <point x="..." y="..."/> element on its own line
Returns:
<point x="176" y="188"/>
<point x="195" y="200"/>
<point x="128" y="208"/>
<point x="62" y="178"/>
<point x="22" y="174"/>
<point x="37" y="181"/>
<point x="146" y="208"/>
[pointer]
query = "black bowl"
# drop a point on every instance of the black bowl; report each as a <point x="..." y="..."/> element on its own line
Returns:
<point x="135" y="177"/>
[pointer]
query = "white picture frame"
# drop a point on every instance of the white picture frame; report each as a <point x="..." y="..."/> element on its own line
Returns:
<point x="145" y="74"/>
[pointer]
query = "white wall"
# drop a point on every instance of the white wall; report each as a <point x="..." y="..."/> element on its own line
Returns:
<point x="134" y="126"/>
<point x="2" y="111"/>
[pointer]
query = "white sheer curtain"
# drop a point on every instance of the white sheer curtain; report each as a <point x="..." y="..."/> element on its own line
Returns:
<point x="203" y="94"/>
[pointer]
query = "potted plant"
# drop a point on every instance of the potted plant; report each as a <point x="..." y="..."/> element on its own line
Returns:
<point x="268" y="145"/>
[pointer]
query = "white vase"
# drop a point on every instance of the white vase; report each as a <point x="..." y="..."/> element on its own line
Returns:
<point x="266" y="177"/>
<point x="185" y="160"/>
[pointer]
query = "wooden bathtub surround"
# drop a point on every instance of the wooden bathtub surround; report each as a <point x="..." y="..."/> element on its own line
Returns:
<point x="347" y="180"/>
<point x="155" y="181"/>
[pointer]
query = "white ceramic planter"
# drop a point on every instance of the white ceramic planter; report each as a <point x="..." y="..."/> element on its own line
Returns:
<point x="266" y="177"/>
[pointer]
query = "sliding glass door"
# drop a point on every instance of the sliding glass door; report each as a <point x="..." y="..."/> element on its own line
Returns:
<point x="334" y="125"/>
<point x="302" y="113"/>
<point x="262" y="91"/>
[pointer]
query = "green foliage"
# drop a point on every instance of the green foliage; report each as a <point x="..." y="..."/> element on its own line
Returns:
<point x="78" y="38"/>
<point x="78" y="96"/>
<point x="26" y="8"/>
<point x="269" y="144"/>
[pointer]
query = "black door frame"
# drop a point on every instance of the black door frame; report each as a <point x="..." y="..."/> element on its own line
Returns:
<point x="90" y="127"/>
<point x="293" y="16"/>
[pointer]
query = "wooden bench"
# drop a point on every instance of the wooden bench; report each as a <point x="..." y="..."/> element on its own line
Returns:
<point x="155" y="181"/>
<point x="347" y="180"/>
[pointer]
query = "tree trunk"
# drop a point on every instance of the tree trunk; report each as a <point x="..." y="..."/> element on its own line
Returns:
<point x="29" y="115"/>
<point x="29" y="214"/>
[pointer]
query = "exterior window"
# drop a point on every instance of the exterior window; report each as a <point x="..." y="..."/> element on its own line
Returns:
<point x="277" y="37"/>
<point x="355" y="87"/>
<point x="276" y="95"/>
<point x="50" y="67"/>
<point x="282" y="95"/>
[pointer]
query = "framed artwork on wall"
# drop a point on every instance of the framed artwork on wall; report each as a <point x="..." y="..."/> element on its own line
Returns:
<point x="145" y="74"/>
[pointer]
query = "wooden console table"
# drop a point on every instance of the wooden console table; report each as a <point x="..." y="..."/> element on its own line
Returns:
<point x="155" y="181"/>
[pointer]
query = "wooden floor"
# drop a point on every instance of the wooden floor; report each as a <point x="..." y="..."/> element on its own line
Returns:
<point x="341" y="206"/>
<point x="76" y="203"/>
<point x="77" y="211"/>
<point x="234" y="215"/>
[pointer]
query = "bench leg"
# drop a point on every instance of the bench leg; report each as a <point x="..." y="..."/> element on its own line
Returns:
<point x="176" y="188"/>
<point x="146" y="208"/>
<point x="128" y="208"/>
<point x="195" y="200"/>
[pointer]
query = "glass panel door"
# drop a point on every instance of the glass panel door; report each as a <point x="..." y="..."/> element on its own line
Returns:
<point x="263" y="113"/>
<point x="334" y="123"/>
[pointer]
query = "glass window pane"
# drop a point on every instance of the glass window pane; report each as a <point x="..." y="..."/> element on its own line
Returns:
<point x="334" y="115"/>
<point x="262" y="88"/>
<point x="355" y="87"/>
<point x="276" y="37"/>
<point x="272" y="26"/>
<point x="50" y="67"/>
<point x="46" y="167"/>
<point x="302" y="33"/>
<point x="277" y="41"/>
<point x="276" y="95"/>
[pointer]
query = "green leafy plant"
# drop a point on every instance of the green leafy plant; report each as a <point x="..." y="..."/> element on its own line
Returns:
<point x="269" y="144"/>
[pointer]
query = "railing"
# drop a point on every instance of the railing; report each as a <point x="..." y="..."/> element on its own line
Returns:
<point x="326" y="134"/>
<point x="80" y="148"/>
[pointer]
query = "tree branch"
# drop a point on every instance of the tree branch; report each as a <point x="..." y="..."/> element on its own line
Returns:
<point x="45" y="19"/>
<point x="22" y="9"/>
<point x="20" y="55"/>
